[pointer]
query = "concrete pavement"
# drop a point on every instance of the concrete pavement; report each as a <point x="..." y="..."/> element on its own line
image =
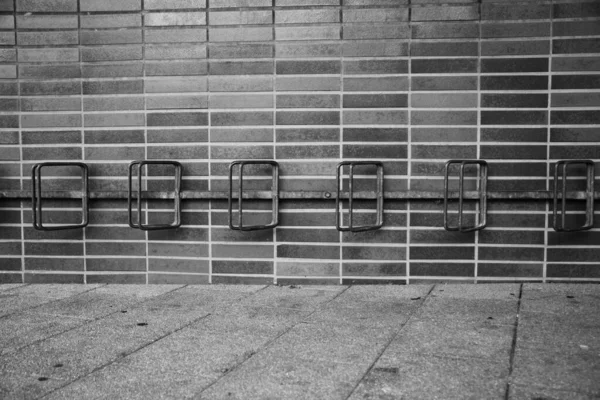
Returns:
<point x="499" y="341"/>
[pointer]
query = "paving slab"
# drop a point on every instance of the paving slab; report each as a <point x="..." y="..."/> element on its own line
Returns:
<point x="561" y="298"/>
<point x="49" y="319"/>
<point x="370" y="314"/>
<point x="94" y="345"/>
<point x="29" y="296"/>
<point x="383" y="307"/>
<point x="518" y="392"/>
<point x="269" y="342"/>
<point x="472" y="312"/>
<point x="486" y="340"/>
<point x="542" y="290"/>
<point x="566" y="367"/>
<point x="272" y="375"/>
<point x="356" y="295"/>
<point x="175" y="309"/>
<point x="22" y="329"/>
<point x="481" y="291"/>
<point x="10" y="286"/>
<point x="184" y="363"/>
<point x="403" y="376"/>
<point x="294" y="298"/>
<point x="104" y="300"/>
<point x="325" y="342"/>
<point x="558" y="329"/>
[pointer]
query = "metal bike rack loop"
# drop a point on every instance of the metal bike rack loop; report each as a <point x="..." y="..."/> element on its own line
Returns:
<point x="589" y="196"/>
<point x="37" y="196"/>
<point x="482" y="191"/>
<point x="379" y="197"/>
<point x="274" y="195"/>
<point x="176" y="195"/>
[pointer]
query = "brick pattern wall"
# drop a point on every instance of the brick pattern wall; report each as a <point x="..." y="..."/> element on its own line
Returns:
<point x="307" y="83"/>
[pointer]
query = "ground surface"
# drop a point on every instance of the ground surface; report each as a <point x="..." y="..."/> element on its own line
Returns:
<point x="529" y="341"/>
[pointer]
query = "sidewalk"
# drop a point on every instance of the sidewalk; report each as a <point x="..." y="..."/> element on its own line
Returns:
<point x="529" y="341"/>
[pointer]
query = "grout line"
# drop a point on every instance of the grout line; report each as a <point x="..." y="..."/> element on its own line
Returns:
<point x="146" y="233"/>
<point x="20" y="133"/>
<point x="341" y="141"/>
<point x="274" y="137"/>
<point x="409" y="146"/>
<point x="209" y="203"/>
<point x="548" y="146"/>
<point x="478" y="171"/>
<point x="82" y="131"/>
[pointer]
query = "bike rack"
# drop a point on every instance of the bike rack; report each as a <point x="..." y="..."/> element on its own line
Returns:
<point x="36" y="195"/>
<point x="589" y="195"/>
<point x="274" y="195"/>
<point x="177" y="198"/>
<point x="379" y="197"/>
<point x="482" y="191"/>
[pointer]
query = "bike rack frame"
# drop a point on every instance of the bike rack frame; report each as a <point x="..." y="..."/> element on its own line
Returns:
<point x="36" y="195"/>
<point x="379" y="197"/>
<point x="177" y="197"/>
<point x="274" y="195"/>
<point x="483" y="173"/>
<point x="589" y="195"/>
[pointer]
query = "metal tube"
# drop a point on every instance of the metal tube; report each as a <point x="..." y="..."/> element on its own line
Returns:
<point x="240" y="191"/>
<point x="461" y="181"/>
<point x="534" y="195"/>
<point x="350" y="196"/>
<point x="139" y="195"/>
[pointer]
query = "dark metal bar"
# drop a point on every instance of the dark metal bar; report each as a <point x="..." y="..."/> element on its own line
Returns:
<point x="535" y="195"/>
<point x="590" y="195"/>
<point x="351" y="196"/>
<point x="176" y="195"/>
<point x="481" y="195"/>
<point x="273" y="195"/>
<point x="37" y="196"/>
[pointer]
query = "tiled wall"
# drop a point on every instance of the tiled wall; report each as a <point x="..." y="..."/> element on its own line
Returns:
<point x="308" y="83"/>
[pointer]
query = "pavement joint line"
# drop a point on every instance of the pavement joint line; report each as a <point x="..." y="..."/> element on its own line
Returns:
<point x="269" y="343"/>
<point x="394" y="336"/>
<point x="513" y="346"/>
<point x="87" y="321"/>
<point x="123" y="355"/>
<point x="27" y="309"/>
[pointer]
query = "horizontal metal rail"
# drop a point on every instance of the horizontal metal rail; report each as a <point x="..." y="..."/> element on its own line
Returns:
<point x="300" y="195"/>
